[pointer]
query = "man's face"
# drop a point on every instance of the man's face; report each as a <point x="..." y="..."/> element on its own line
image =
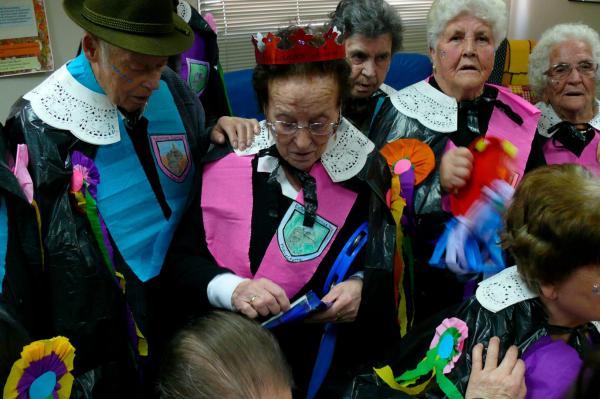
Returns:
<point x="127" y="78"/>
<point x="370" y="61"/>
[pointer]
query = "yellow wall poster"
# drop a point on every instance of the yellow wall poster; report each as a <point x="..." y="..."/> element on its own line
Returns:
<point x="24" y="42"/>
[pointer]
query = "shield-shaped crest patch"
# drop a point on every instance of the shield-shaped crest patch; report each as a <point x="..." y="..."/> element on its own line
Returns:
<point x="198" y="72"/>
<point x="172" y="155"/>
<point x="299" y="243"/>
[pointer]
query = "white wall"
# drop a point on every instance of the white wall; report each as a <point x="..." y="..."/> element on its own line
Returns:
<point x="530" y="18"/>
<point x="64" y="39"/>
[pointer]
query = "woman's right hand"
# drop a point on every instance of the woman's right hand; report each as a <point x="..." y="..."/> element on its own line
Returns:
<point x="496" y="381"/>
<point x="259" y="297"/>
<point x="455" y="169"/>
<point x="239" y="131"/>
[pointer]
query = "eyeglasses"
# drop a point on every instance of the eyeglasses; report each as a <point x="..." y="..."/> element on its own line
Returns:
<point x="291" y="128"/>
<point x="562" y="70"/>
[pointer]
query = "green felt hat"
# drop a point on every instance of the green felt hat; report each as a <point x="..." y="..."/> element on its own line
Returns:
<point x="144" y="26"/>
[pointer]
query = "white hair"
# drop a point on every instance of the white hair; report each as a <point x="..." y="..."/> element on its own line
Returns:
<point x="106" y="50"/>
<point x="539" y="59"/>
<point x="493" y="12"/>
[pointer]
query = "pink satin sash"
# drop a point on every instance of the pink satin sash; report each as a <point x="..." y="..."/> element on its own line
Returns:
<point x="227" y="212"/>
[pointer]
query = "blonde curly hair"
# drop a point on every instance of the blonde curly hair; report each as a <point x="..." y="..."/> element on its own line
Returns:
<point x="553" y="223"/>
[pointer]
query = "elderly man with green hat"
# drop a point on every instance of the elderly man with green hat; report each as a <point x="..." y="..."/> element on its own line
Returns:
<point x="114" y="140"/>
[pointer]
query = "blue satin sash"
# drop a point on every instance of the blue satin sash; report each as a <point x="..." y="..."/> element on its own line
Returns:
<point x="125" y="198"/>
<point x="3" y="239"/>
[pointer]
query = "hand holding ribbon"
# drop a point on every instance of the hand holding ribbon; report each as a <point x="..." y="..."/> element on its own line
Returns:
<point x="345" y="298"/>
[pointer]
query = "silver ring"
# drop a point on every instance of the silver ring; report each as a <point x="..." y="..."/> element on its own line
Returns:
<point x="253" y="298"/>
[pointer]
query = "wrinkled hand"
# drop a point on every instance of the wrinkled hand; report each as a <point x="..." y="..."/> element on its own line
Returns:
<point x="239" y="131"/>
<point x="261" y="296"/>
<point x="455" y="168"/>
<point x="345" y="301"/>
<point x="504" y="381"/>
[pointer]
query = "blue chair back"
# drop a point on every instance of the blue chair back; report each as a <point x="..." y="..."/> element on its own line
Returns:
<point x="408" y="68"/>
<point x="241" y="94"/>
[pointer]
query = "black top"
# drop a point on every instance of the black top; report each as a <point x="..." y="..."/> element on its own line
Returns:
<point x="360" y="111"/>
<point x="79" y="297"/>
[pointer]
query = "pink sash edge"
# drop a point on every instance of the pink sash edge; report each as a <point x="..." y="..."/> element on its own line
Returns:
<point x="217" y="236"/>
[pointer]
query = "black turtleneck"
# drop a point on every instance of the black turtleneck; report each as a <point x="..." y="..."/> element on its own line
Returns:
<point x="360" y="111"/>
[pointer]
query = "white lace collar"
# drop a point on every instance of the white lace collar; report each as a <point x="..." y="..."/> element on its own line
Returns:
<point x="345" y="156"/>
<point x="432" y="108"/>
<point x="184" y="10"/>
<point x="549" y="118"/>
<point x="389" y="90"/>
<point x="503" y="290"/>
<point x="64" y="103"/>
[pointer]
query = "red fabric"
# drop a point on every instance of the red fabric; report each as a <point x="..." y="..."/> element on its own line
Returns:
<point x="490" y="164"/>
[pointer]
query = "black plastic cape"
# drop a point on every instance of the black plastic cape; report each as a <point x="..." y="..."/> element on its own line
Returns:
<point x="521" y="324"/>
<point x="74" y="294"/>
<point x="23" y="258"/>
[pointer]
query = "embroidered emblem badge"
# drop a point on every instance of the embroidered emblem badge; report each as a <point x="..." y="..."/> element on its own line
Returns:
<point x="172" y="155"/>
<point x="299" y="243"/>
<point x="198" y="72"/>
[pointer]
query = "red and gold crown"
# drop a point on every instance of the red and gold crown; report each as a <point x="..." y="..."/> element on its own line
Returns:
<point x="267" y="52"/>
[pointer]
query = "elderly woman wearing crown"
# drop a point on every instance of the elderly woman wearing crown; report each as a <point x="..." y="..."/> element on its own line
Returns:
<point x="563" y="70"/>
<point x="449" y="111"/>
<point x="281" y="217"/>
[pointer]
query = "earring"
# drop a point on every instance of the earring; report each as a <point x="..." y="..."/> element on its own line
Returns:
<point x="433" y="68"/>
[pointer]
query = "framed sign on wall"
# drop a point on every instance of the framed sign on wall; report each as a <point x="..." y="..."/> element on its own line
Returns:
<point x="24" y="40"/>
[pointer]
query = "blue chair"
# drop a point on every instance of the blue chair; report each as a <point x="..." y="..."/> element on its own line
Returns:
<point x="408" y="68"/>
<point x="241" y="94"/>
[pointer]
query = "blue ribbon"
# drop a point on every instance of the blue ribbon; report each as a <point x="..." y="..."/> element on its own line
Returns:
<point x="337" y="274"/>
<point x="301" y="308"/>
<point x="3" y="239"/>
<point x="380" y="101"/>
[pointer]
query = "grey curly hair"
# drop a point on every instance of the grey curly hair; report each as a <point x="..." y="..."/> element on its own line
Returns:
<point x="539" y="59"/>
<point x="494" y="12"/>
<point x="370" y="18"/>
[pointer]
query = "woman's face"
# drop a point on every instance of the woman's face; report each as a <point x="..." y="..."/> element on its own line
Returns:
<point x="576" y="300"/>
<point x="303" y="100"/>
<point x="464" y="57"/>
<point x="572" y="96"/>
